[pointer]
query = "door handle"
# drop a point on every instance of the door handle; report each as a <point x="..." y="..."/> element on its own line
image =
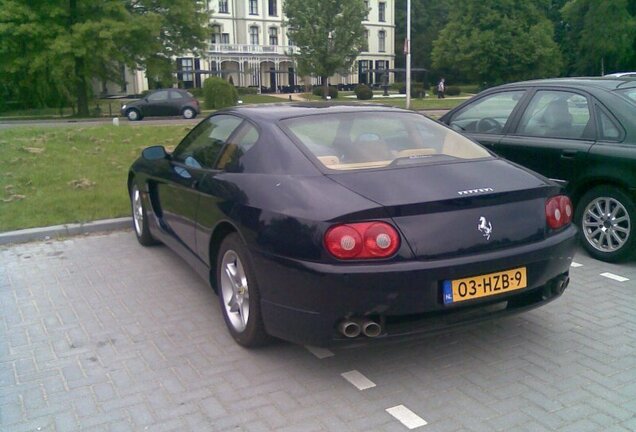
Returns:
<point x="568" y="154"/>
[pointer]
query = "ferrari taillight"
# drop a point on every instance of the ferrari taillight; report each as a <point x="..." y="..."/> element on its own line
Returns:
<point x="558" y="211"/>
<point x="365" y="240"/>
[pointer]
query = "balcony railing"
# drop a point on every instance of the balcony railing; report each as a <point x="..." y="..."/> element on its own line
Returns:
<point x="251" y="49"/>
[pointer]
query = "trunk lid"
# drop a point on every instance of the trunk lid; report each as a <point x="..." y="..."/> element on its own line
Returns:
<point x="458" y="208"/>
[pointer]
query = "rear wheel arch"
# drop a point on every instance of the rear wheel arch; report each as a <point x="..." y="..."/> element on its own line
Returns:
<point x="584" y="187"/>
<point x="221" y="231"/>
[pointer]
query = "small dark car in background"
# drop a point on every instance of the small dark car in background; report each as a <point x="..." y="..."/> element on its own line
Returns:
<point x="164" y="102"/>
<point x="580" y="132"/>
<point x="320" y="223"/>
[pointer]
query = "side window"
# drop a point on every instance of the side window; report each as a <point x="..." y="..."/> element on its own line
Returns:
<point x="608" y="129"/>
<point x="201" y="148"/>
<point x="241" y="143"/>
<point x="175" y="95"/>
<point x="488" y="115"/>
<point x="158" y="96"/>
<point x="556" y="114"/>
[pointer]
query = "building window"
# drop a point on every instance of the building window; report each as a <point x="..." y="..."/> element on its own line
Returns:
<point x="273" y="36"/>
<point x="225" y="38"/>
<point x="216" y="34"/>
<point x="253" y="7"/>
<point x="382" y="12"/>
<point x="382" y="41"/>
<point x="366" y="7"/>
<point x="254" y="35"/>
<point x="365" y="43"/>
<point x="186" y="66"/>
<point x="223" y="8"/>
<point x="273" y="10"/>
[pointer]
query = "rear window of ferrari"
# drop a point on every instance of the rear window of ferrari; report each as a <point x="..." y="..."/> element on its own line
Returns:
<point x="367" y="140"/>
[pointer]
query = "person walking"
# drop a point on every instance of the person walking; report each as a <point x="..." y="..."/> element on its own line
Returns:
<point x="441" y="87"/>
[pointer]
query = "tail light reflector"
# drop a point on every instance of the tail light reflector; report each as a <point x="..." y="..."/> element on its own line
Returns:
<point x="558" y="211"/>
<point x="365" y="240"/>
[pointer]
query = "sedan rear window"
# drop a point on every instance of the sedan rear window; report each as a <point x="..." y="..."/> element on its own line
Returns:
<point x="366" y="140"/>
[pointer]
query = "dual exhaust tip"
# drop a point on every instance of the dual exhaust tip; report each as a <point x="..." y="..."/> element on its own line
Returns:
<point x="354" y="327"/>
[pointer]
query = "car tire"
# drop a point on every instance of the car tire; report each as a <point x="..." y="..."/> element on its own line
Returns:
<point x="133" y="115"/>
<point x="188" y="113"/>
<point x="238" y="292"/>
<point x="140" y="218"/>
<point x="606" y="217"/>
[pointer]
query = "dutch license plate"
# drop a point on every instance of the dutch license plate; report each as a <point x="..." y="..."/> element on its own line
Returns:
<point x="469" y="288"/>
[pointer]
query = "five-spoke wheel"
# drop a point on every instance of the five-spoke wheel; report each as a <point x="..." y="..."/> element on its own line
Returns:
<point x="238" y="293"/>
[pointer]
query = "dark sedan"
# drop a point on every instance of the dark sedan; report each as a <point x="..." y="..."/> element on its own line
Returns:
<point x="580" y="132"/>
<point x="323" y="223"/>
<point x="165" y="102"/>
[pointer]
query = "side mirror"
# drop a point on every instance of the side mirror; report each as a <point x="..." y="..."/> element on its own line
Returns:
<point x="154" y="153"/>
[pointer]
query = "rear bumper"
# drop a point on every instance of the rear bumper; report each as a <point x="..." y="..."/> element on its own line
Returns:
<point x="303" y="301"/>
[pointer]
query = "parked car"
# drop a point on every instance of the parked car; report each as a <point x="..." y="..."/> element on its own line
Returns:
<point x="321" y="223"/>
<point x="164" y="102"/>
<point x="580" y="132"/>
<point x="621" y="75"/>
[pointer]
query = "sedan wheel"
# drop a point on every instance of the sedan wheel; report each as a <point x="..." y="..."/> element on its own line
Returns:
<point x="140" y="218"/>
<point x="606" y="217"/>
<point x="189" y="113"/>
<point x="133" y="115"/>
<point x="238" y="294"/>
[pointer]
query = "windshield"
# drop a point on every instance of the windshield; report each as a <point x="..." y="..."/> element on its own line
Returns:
<point x="629" y="94"/>
<point x="365" y="140"/>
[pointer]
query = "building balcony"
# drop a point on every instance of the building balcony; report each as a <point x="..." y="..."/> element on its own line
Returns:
<point x="283" y="50"/>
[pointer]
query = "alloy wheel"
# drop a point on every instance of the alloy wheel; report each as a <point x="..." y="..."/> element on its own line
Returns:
<point x="235" y="291"/>
<point x="606" y="224"/>
<point x="138" y="211"/>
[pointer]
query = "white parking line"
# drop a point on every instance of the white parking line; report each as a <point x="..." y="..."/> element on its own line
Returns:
<point x="358" y="380"/>
<point x="407" y="417"/>
<point x="615" y="277"/>
<point x="321" y="353"/>
<point x="575" y="264"/>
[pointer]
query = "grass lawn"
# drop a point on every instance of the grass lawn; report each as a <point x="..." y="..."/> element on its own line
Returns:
<point x="61" y="175"/>
<point x="76" y="174"/>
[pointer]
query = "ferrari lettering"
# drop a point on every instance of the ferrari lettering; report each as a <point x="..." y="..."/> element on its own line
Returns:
<point x="475" y="191"/>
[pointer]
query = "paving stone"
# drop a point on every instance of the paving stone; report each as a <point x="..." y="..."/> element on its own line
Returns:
<point x="116" y="337"/>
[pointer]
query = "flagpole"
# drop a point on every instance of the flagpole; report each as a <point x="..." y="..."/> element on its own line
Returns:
<point x="408" y="54"/>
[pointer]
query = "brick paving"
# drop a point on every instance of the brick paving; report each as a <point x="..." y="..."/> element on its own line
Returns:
<point x="100" y="334"/>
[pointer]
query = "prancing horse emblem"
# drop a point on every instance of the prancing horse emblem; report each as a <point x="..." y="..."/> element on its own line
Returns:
<point x="485" y="227"/>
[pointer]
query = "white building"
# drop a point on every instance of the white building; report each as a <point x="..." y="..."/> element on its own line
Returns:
<point x="249" y="46"/>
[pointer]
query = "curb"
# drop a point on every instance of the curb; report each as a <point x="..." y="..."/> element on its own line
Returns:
<point x="46" y="233"/>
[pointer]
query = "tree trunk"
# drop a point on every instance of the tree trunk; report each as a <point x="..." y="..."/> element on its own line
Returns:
<point x="82" y="91"/>
<point x="80" y="78"/>
<point x="325" y="86"/>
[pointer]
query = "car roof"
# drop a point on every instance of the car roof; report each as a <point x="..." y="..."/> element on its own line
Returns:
<point x="605" y="83"/>
<point x="279" y="111"/>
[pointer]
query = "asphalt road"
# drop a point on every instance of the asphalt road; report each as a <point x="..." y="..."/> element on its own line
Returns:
<point x="96" y="122"/>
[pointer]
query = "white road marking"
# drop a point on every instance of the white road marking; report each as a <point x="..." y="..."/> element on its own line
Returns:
<point x="407" y="417"/>
<point x="358" y="380"/>
<point x="575" y="264"/>
<point x="615" y="277"/>
<point x="321" y="353"/>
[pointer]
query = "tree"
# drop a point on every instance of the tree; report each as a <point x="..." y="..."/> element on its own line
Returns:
<point x="600" y="35"/>
<point x="495" y="41"/>
<point x="329" y="35"/>
<point x="57" y="47"/>
<point x="428" y="18"/>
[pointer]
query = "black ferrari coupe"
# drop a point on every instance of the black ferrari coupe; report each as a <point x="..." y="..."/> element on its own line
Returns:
<point x="324" y="223"/>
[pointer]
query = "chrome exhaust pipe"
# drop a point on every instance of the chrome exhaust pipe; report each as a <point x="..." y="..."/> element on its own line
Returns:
<point x="371" y="328"/>
<point x="349" y="328"/>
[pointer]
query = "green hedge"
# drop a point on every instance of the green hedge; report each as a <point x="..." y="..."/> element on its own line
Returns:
<point x="219" y="93"/>
<point x="333" y="91"/>
<point x="363" y="92"/>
